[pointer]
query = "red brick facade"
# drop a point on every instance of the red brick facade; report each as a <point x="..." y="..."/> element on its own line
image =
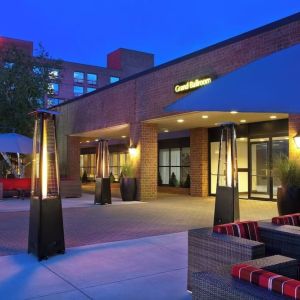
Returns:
<point x="199" y="162"/>
<point x="294" y="129"/>
<point x="143" y="97"/>
<point x="144" y="137"/>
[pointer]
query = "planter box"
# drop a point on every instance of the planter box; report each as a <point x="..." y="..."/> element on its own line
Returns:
<point x="1" y="190"/>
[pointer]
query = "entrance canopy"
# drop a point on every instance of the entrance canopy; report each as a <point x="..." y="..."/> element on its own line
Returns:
<point x="268" y="85"/>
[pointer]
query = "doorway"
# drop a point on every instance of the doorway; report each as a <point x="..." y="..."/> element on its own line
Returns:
<point x="263" y="154"/>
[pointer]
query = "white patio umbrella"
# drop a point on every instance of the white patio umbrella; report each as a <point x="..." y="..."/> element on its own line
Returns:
<point x="15" y="143"/>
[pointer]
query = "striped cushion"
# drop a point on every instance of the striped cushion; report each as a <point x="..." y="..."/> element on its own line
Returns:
<point x="247" y="230"/>
<point x="271" y="281"/>
<point x="293" y="219"/>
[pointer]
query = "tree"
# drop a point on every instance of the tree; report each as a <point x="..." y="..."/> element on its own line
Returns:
<point x="24" y="83"/>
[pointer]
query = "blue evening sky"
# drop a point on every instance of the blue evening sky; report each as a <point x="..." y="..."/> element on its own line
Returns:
<point x="86" y="30"/>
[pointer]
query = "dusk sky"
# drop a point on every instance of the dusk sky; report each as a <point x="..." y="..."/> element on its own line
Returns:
<point x="85" y="31"/>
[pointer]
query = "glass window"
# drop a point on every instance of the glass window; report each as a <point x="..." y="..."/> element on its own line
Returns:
<point x="54" y="101"/>
<point x="88" y="165"/>
<point x="177" y="161"/>
<point x="78" y="77"/>
<point x="113" y="79"/>
<point x="116" y="161"/>
<point x="54" y="74"/>
<point x="8" y="65"/>
<point x="53" y="88"/>
<point x="242" y="158"/>
<point x="92" y="78"/>
<point x="78" y="90"/>
<point x="90" y="89"/>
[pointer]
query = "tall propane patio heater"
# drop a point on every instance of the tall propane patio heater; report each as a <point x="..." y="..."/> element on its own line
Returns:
<point x="227" y="196"/>
<point x="46" y="233"/>
<point x="102" y="190"/>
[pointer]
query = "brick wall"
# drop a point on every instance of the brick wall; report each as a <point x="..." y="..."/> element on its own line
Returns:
<point x="199" y="162"/>
<point x="294" y="129"/>
<point x="144" y="136"/>
<point x="73" y="156"/>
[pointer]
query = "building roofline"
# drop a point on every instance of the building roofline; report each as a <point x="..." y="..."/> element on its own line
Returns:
<point x="227" y="42"/>
<point x="14" y="39"/>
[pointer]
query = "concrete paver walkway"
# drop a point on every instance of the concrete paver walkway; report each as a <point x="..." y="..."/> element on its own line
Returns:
<point x="147" y="268"/>
<point x="87" y="224"/>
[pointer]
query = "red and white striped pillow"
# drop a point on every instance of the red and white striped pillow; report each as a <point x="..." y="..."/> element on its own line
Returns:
<point x="246" y="229"/>
<point x="271" y="281"/>
<point x="292" y="219"/>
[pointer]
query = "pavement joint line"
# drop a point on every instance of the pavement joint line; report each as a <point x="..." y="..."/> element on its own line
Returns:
<point x="52" y="294"/>
<point x="133" y="278"/>
<point x="67" y="281"/>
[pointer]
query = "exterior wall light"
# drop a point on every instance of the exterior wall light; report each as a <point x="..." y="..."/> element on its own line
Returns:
<point x="46" y="233"/>
<point x="297" y="140"/>
<point x="132" y="151"/>
<point x="227" y="195"/>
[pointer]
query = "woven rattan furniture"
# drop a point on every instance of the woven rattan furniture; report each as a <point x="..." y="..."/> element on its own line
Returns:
<point x="219" y="286"/>
<point x="208" y="251"/>
<point x="280" y="239"/>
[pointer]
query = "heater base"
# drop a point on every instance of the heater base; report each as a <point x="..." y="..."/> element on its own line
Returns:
<point x="226" y="205"/>
<point x="102" y="191"/>
<point x="46" y="233"/>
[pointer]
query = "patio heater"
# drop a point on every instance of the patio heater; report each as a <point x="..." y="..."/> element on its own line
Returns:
<point x="227" y="198"/>
<point x="102" y="190"/>
<point x="46" y="233"/>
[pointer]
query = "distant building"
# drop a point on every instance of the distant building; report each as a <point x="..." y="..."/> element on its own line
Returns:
<point x="76" y="79"/>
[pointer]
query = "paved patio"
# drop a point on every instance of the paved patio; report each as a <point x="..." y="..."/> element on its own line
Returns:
<point x="135" y="250"/>
<point x="147" y="268"/>
<point x="86" y="224"/>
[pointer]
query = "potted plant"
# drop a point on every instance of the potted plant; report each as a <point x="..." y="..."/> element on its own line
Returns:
<point x="173" y="180"/>
<point x="128" y="185"/>
<point x="288" y="194"/>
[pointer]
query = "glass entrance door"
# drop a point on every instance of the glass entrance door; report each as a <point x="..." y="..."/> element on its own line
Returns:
<point x="260" y="179"/>
<point x="263" y="156"/>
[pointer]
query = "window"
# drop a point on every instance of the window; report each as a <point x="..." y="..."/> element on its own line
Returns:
<point x="116" y="161"/>
<point x="53" y="88"/>
<point x="54" y="74"/>
<point x="78" y="77"/>
<point x="88" y="165"/>
<point x="113" y="79"/>
<point x="90" y="89"/>
<point x="8" y="65"/>
<point x="54" y="101"/>
<point x="92" y="78"/>
<point x="78" y="90"/>
<point x="174" y="160"/>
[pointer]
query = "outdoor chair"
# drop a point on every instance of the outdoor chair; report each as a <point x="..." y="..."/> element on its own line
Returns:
<point x="247" y="281"/>
<point x="281" y="239"/>
<point x="209" y="250"/>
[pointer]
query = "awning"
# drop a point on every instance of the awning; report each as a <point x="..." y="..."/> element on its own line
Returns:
<point x="270" y="85"/>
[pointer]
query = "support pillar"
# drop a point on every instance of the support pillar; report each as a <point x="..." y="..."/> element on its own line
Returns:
<point x="144" y="137"/>
<point x="73" y="157"/>
<point x="294" y="129"/>
<point x="199" y="162"/>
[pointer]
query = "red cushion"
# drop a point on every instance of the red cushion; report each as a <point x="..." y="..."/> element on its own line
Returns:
<point x="273" y="282"/>
<point x="16" y="183"/>
<point x="246" y="229"/>
<point x="292" y="219"/>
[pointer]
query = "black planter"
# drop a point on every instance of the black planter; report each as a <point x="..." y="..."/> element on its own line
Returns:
<point x="128" y="189"/>
<point x="288" y="200"/>
<point x="102" y="191"/>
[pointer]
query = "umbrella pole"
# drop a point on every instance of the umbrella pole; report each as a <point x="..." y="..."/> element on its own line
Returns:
<point x="19" y="165"/>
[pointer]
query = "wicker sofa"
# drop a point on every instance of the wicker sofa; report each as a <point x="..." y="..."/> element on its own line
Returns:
<point x="208" y="251"/>
<point x="280" y="239"/>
